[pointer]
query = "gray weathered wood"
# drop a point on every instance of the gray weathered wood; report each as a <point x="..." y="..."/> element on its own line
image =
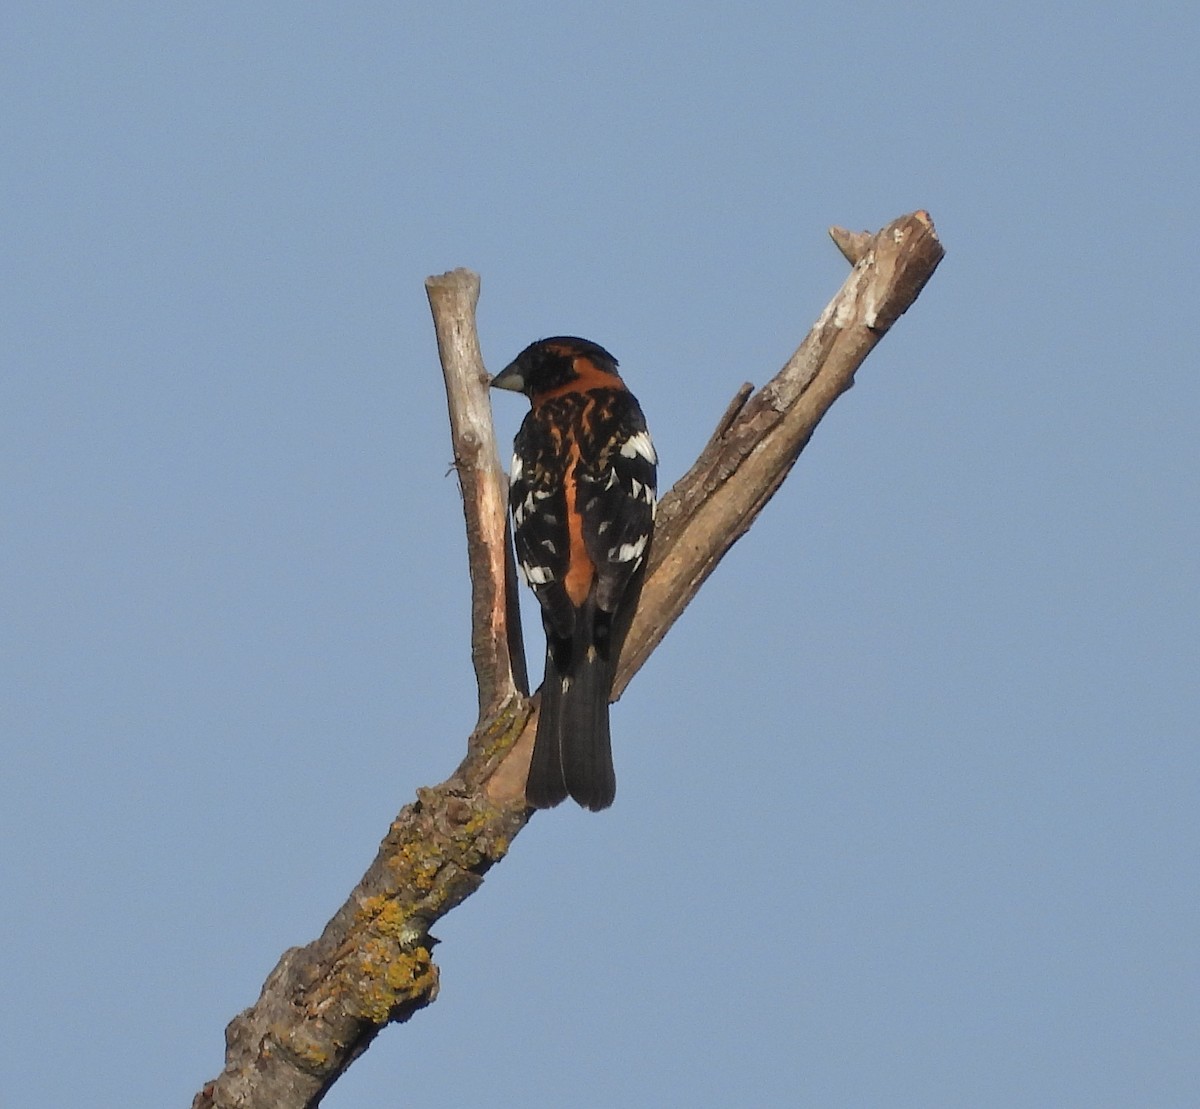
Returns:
<point x="324" y="1003"/>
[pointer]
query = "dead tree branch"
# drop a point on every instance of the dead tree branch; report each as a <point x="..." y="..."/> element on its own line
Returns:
<point x="324" y="1003"/>
<point x="496" y="647"/>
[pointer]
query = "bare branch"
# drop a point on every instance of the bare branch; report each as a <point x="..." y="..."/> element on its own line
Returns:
<point x="853" y="244"/>
<point x="324" y="1003"/>
<point x="496" y="648"/>
<point x="746" y="461"/>
<point x="730" y="414"/>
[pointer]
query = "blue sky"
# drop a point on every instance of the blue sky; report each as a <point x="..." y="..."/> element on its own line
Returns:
<point x="907" y="799"/>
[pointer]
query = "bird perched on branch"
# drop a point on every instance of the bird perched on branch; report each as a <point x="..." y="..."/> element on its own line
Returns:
<point x="582" y="494"/>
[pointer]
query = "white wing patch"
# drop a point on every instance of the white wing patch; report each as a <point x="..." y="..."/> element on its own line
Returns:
<point x="628" y="552"/>
<point x="517" y="469"/>
<point x="641" y="492"/>
<point x="640" y="444"/>
<point x="535" y="575"/>
<point x="528" y="505"/>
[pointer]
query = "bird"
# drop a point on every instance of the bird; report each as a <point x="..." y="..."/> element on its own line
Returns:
<point x="582" y="492"/>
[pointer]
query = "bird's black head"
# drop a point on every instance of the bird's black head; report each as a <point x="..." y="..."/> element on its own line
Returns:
<point x="563" y="362"/>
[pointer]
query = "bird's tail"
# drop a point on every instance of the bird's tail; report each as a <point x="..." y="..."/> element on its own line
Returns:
<point x="572" y="753"/>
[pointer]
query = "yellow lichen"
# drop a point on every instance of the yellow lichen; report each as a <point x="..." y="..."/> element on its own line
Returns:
<point x="412" y="974"/>
<point x="387" y="984"/>
<point x="310" y="1054"/>
<point x="505" y="727"/>
<point x="299" y="1043"/>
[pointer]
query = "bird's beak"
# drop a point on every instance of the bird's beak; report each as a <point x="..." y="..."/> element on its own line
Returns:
<point x="509" y="378"/>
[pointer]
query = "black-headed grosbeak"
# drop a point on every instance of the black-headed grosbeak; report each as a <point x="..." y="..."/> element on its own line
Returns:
<point x="582" y="494"/>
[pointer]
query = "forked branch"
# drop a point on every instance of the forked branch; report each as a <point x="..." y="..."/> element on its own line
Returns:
<point x="324" y="1003"/>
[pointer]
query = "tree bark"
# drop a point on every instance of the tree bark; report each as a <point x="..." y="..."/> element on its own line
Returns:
<point x="323" y="1004"/>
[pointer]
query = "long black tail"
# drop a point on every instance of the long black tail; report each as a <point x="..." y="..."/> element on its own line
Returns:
<point x="572" y="753"/>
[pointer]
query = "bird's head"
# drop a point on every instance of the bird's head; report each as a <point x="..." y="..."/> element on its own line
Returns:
<point x="555" y="365"/>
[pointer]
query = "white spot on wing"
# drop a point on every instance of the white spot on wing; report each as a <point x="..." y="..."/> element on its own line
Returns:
<point x="640" y="444"/>
<point x="527" y="506"/>
<point x="628" y="552"/>
<point x="535" y="575"/>
<point x="516" y="468"/>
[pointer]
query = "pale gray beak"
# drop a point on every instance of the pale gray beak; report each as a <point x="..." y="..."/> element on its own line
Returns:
<point x="509" y="378"/>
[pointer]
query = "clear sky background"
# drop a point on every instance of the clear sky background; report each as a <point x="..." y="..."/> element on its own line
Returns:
<point x="907" y="808"/>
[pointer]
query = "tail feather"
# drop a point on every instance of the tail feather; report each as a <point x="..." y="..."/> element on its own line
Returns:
<point x="586" y="746"/>
<point x="546" y="785"/>
<point x="572" y="752"/>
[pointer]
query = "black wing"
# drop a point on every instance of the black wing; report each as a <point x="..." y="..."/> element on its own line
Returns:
<point x="617" y="491"/>
<point x="596" y="443"/>
<point x="537" y="497"/>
